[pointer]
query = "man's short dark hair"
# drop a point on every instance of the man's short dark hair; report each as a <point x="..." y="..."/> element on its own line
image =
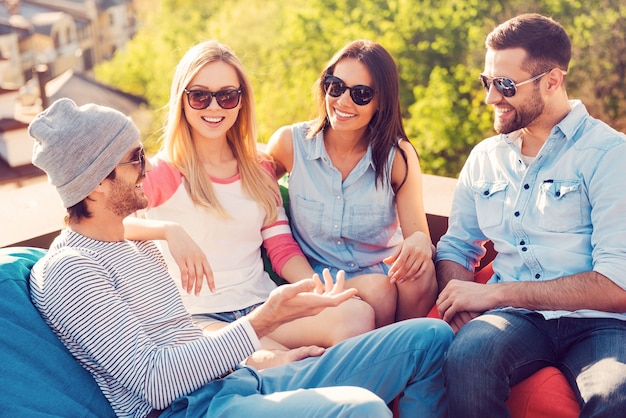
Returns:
<point x="546" y="43"/>
<point x="80" y="211"/>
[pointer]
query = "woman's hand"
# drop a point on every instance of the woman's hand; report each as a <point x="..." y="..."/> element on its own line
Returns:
<point x="411" y="259"/>
<point x="191" y="260"/>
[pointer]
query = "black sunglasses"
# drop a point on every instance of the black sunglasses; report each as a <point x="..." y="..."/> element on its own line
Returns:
<point x="360" y="94"/>
<point x="505" y="85"/>
<point x="141" y="160"/>
<point x="201" y="99"/>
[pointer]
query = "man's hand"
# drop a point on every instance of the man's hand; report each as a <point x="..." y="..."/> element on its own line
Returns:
<point x="460" y="319"/>
<point x="461" y="301"/>
<point x="307" y="297"/>
<point x="264" y="359"/>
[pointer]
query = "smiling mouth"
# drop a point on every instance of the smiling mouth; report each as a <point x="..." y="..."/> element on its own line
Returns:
<point x="502" y="110"/>
<point x="344" y="115"/>
<point x="212" y="119"/>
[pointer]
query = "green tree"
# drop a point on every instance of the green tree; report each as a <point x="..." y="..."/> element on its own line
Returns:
<point x="598" y="71"/>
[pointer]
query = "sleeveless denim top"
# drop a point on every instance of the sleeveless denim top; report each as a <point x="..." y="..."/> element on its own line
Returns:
<point x="351" y="224"/>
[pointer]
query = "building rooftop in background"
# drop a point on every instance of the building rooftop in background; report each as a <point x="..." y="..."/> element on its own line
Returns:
<point x="66" y="38"/>
<point x="16" y="111"/>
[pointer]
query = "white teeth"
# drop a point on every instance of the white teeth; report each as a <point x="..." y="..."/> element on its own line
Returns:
<point x="213" y="120"/>
<point x="501" y="111"/>
<point x="344" y="115"/>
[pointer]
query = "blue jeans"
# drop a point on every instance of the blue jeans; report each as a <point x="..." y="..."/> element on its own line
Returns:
<point x="355" y="378"/>
<point x="380" y="268"/>
<point x="229" y="317"/>
<point x="499" y="349"/>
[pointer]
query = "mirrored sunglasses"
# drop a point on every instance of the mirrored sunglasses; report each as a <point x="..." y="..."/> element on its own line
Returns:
<point x="505" y="85"/>
<point x="201" y="99"/>
<point x="360" y="94"/>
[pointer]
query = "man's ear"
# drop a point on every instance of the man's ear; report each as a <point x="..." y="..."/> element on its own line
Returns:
<point x="100" y="189"/>
<point x="555" y="79"/>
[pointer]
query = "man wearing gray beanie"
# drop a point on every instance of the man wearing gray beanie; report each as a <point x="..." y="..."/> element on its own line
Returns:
<point x="115" y="307"/>
<point x="79" y="146"/>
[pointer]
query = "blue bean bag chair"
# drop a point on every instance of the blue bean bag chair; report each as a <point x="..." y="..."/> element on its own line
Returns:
<point x="38" y="375"/>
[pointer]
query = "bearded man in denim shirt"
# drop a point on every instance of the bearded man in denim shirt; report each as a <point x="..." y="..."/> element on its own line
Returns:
<point x="550" y="192"/>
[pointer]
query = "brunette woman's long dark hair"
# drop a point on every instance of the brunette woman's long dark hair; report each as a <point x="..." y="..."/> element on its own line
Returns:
<point x="385" y="130"/>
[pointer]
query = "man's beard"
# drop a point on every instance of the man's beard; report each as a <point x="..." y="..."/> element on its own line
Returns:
<point x="124" y="199"/>
<point x="525" y="114"/>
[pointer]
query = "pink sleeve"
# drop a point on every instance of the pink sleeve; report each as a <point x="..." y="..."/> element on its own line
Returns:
<point x="161" y="182"/>
<point x="268" y="166"/>
<point x="277" y="238"/>
<point x="279" y="242"/>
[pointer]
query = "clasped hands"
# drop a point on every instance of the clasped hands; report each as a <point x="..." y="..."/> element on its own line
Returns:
<point x="461" y="301"/>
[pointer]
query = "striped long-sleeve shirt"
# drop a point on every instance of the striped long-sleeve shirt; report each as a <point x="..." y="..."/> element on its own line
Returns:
<point x="117" y="310"/>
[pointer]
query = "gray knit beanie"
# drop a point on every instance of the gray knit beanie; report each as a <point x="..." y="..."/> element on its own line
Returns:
<point x="79" y="146"/>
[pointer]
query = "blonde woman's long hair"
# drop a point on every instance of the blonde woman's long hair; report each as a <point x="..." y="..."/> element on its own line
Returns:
<point x="242" y="137"/>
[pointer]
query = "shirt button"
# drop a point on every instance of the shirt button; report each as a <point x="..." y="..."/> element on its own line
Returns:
<point x="338" y="197"/>
<point x="486" y="192"/>
<point x="338" y="242"/>
<point x="537" y="276"/>
<point x="516" y="214"/>
<point x="522" y="242"/>
<point x="351" y="264"/>
<point x="335" y="226"/>
<point x="524" y="249"/>
<point x="558" y="194"/>
<point x="526" y="186"/>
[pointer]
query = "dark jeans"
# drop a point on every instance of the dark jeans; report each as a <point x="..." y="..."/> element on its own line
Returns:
<point x="499" y="349"/>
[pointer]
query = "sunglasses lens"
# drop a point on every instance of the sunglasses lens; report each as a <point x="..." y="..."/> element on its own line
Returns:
<point x="228" y="99"/>
<point x="142" y="161"/>
<point x="486" y="82"/>
<point x="199" y="99"/>
<point x="505" y="86"/>
<point x="361" y="95"/>
<point x="333" y="86"/>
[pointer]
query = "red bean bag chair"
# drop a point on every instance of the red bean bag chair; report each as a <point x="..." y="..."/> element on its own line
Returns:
<point x="545" y="394"/>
